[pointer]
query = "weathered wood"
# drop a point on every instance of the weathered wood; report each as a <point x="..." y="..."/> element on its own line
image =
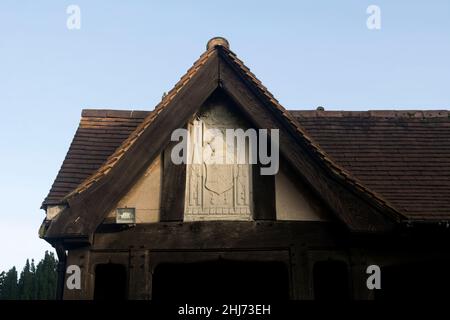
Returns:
<point x="359" y="211"/>
<point x="173" y="188"/>
<point x="223" y="235"/>
<point x="87" y="210"/>
<point x="264" y="206"/>
<point x="354" y="208"/>
<point x="298" y="244"/>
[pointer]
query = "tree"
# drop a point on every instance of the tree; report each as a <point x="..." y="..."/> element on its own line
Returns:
<point x="2" y="281"/>
<point x="9" y="289"/>
<point x="26" y="283"/>
<point x="46" y="277"/>
<point x="36" y="282"/>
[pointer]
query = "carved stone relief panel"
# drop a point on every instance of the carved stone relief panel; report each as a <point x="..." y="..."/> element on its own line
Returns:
<point x="217" y="187"/>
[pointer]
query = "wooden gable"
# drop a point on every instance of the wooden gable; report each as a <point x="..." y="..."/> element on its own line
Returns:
<point x="217" y="69"/>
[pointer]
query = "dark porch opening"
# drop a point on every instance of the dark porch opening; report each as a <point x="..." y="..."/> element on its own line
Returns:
<point x="221" y="280"/>
<point x="110" y="282"/>
<point x="331" y="280"/>
<point x="425" y="280"/>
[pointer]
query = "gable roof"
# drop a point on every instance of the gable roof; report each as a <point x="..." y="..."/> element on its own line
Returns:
<point x="79" y="220"/>
<point x="99" y="134"/>
<point x="218" y="68"/>
<point x="402" y="155"/>
<point x="384" y="150"/>
<point x="125" y="145"/>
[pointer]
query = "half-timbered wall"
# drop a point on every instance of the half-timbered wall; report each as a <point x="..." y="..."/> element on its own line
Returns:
<point x="294" y="201"/>
<point x="144" y="196"/>
<point x="216" y="190"/>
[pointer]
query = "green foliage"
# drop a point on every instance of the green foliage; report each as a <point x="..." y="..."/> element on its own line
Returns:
<point x="9" y="288"/>
<point x="35" y="282"/>
<point x="46" y="278"/>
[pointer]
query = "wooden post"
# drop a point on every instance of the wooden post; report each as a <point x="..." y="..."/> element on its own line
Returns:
<point x="173" y="188"/>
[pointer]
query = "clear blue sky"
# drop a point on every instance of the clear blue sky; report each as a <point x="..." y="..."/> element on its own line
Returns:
<point x="127" y="53"/>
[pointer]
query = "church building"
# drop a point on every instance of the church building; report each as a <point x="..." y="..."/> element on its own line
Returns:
<point x="221" y="193"/>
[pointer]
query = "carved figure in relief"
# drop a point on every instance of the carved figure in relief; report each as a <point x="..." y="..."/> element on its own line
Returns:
<point x="217" y="187"/>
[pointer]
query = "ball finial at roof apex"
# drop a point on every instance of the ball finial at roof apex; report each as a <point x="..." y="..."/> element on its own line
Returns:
<point x="218" y="41"/>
